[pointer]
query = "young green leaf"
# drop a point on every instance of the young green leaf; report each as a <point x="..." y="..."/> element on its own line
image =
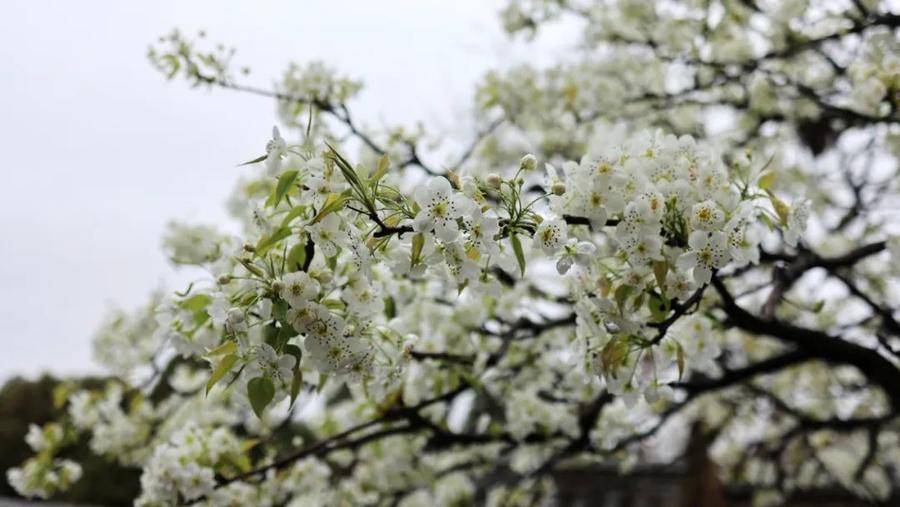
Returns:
<point x="196" y="303"/>
<point x="255" y="160"/>
<point x="520" y="255"/>
<point x="621" y="295"/>
<point x="660" y="269"/>
<point x="766" y="179"/>
<point x="384" y="163"/>
<point x="220" y="370"/>
<point x="289" y="217"/>
<point x="250" y="267"/>
<point x="284" y="185"/>
<point x="296" y="385"/>
<point x="334" y="202"/>
<point x="267" y="242"/>
<point x="297" y="381"/>
<point x="296" y="257"/>
<point x="418" y="242"/>
<point x="659" y="307"/>
<point x="614" y="354"/>
<point x="224" y="349"/>
<point x="261" y="391"/>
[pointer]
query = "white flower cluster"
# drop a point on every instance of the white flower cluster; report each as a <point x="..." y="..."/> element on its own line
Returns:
<point x="191" y="244"/>
<point x="674" y="201"/>
<point x="126" y="342"/>
<point x="314" y="82"/>
<point x="43" y="479"/>
<point x="274" y="311"/>
<point x="875" y="73"/>
<point x="115" y="433"/>
<point x="183" y="469"/>
<point x="528" y="414"/>
<point x="44" y="474"/>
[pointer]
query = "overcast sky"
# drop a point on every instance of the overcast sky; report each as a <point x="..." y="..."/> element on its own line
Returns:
<point x="99" y="151"/>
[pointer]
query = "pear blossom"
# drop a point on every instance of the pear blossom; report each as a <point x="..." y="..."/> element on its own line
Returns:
<point x="551" y="235"/>
<point x="796" y="220"/>
<point x="706" y="216"/>
<point x="267" y="362"/>
<point x="298" y="288"/>
<point x="329" y="352"/>
<point x="708" y="252"/>
<point x="276" y="148"/>
<point x="481" y="232"/>
<point x="441" y="207"/>
<point x="574" y="252"/>
<point x="327" y="235"/>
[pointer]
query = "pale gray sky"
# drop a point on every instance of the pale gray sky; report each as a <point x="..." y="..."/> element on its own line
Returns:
<point x="99" y="151"/>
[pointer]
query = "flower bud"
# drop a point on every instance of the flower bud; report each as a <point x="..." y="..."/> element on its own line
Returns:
<point x="558" y="188"/>
<point x="493" y="180"/>
<point x="235" y="315"/>
<point x="528" y="163"/>
<point x="453" y="177"/>
<point x="224" y="280"/>
<point x="249" y="248"/>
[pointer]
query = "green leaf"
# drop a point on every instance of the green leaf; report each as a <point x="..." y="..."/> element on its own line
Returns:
<point x="660" y="268"/>
<point x="331" y="262"/>
<point x="239" y="461"/>
<point x="345" y="167"/>
<point x="621" y="294"/>
<point x="390" y="307"/>
<point x="221" y="369"/>
<point x="255" y="160"/>
<point x="638" y="302"/>
<point x="295" y="212"/>
<point x="520" y="255"/>
<point x="228" y="347"/>
<point x="196" y="303"/>
<point x="334" y="202"/>
<point x="250" y="267"/>
<point x="659" y="307"/>
<point x="333" y="304"/>
<point x="267" y="242"/>
<point x="384" y="163"/>
<point x="296" y="384"/>
<point x="280" y="309"/>
<point x="418" y="242"/>
<point x="186" y="291"/>
<point x="781" y="208"/>
<point x="277" y="337"/>
<point x="284" y="185"/>
<point x="296" y="257"/>
<point x="294" y="351"/>
<point x="766" y="179"/>
<point x="261" y="391"/>
<point x="614" y="354"/>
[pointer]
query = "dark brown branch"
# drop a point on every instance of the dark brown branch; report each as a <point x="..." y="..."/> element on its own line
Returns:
<point x="339" y="441"/>
<point x="818" y="344"/>
<point x="734" y="377"/>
